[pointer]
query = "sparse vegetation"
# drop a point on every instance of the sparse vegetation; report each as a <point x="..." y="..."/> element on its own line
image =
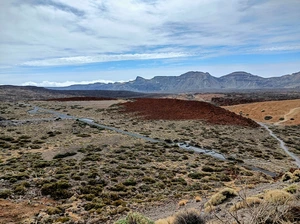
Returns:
<point x="96" y="173"/>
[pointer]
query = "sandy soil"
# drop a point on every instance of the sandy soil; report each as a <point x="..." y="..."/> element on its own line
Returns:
<point x="286" y="112"/>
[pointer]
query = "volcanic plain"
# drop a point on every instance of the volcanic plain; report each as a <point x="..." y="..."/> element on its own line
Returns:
<point x="71" y="172"/>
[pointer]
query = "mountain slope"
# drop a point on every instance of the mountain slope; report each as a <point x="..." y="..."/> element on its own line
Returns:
<point x="196" y="81"/>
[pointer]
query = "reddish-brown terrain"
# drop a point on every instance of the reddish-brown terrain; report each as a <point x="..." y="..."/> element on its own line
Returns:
<point x="80" y="99"/>
<point x="173" y="109"/>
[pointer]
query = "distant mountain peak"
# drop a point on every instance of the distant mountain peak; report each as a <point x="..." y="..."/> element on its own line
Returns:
<point x="239" y="73"/>
<point x="139" y="78"/>
<point x="195" y="81"/>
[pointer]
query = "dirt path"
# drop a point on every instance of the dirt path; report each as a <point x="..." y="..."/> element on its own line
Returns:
<point x="289" y="115"/>
<point x="285" y="112"/>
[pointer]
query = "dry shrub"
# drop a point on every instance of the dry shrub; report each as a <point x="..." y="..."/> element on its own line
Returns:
<point x="296" y="176"/>
<point x="277" y="196"/>
<point x="275" y="213"/>
<point x="182" y="202"/>
<point x="189" y="217"/>
<point x="292" y="189"/>
<point x="198" y="198"/>
<point x="221" y="197"/>
<point x="288" y="176"/>
<point x="168" y="220"/>
<point x="279" y="207"/>
<point x="209" y="209"/>
<point x="248" y="202"/>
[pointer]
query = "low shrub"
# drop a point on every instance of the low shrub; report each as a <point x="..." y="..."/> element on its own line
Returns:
<point x="287" y="176"/>
<point x="221" y="197"/>
<point x="268" y="117"/>
<point x="189" y="217"/>
<point x="5" y="193"/>
<point x="58" y="190"/>
<point x="63" y="155"/>
<point x="248" y="202"/>
<point x="277" y="196"/>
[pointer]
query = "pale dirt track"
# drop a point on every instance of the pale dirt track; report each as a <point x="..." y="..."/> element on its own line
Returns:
<point x="288" y="110"/>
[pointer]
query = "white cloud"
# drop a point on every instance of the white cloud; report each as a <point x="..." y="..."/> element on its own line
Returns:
<point x="102" y="58"/>
<point x="34" y="30"/>
<point x="48" y="33"/>
<point x="60" y="84"/>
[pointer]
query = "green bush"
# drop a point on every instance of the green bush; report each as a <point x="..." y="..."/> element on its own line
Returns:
<point x="63" y="155"/>
<point x="5" y="193"/>
<point x="268" y="117"/>
<point x="58" y="190"/>
<point x="196" y="175"/>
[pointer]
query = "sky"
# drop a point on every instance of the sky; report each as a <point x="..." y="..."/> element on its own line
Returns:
<point x="64" y="42"/>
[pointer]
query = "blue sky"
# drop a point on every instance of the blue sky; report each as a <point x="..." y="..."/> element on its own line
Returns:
<point x="63" y="42"/>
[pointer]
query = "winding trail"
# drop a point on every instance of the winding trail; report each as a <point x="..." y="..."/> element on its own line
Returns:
<point x="289" y="115"/>
<point x="282" y="145"/>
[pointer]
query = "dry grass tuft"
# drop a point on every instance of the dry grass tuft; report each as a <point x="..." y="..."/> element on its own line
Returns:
<point x="169" y="220"/>
<point x="198" y="198"/>
<point x="288" y="176"/>
<point x="292" y="189"/>
<point x="248" y="202"/>
<point x="277" y="196"/>
<point x="221" y="197"/>
<point x="183" y="202"/>
<point x="296" y="176"/>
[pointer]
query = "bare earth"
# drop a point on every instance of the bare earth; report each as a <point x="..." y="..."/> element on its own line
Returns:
<point x="286" y="112"/>
<point x="13" y="212"/>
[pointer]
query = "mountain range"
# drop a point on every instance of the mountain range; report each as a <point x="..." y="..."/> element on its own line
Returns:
<point x="194" y="81"/>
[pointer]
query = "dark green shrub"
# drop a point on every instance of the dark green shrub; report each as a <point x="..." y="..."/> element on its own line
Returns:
<point x="58" y="190"/>
<point x="5" y="193"/>
<point x="268" y="117"/>
<point x="189" y="217"/>
<point x="130" y="182"/>
<point x="63" y="155"/>
<point x="196" y="175"/>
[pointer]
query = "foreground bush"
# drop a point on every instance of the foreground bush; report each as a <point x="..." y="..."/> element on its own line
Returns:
<point x="189" y="217"/>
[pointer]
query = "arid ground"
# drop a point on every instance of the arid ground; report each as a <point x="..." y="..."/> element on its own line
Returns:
<point x="285" y="112"/>
<point x="63" y="170"/>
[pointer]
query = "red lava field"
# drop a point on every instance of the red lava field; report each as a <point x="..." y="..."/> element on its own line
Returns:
<point x="81" y="99"/>
<point x="173" y="109"/>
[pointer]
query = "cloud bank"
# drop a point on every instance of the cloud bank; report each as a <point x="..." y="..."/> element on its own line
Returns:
<point x="60" y="84"/>
<point x="64" y="32"/>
